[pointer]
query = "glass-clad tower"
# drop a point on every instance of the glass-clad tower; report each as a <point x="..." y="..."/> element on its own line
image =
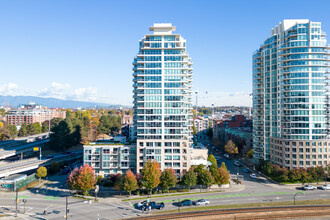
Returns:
<point x="290" y="96"/>
<point x="163" y="99"/>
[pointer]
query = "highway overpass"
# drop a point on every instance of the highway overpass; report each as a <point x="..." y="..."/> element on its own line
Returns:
<point x="8" y="168"/>
<point x="13" y="149"/>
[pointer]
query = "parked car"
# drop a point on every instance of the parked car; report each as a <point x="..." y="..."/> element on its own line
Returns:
<point x="252" y="175"/>
<point x="185" y="202"/>
<point x="246" y="170"/>
<point x="309" y="187"/>
<point x="238" y="164"/>
<point x="201" y="202"/>
<point x="154" y="205"/>
<point x="140" y="205"/>
<point x="325" y="187"/>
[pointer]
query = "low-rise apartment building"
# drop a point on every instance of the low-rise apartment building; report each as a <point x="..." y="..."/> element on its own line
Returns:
<point x="109" y="157"/>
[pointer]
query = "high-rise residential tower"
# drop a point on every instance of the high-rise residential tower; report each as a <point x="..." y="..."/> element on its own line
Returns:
<point x="290" y="97"/>
<point x="163" y="99"/>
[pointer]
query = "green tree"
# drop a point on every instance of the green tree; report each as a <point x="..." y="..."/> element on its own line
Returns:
<point x="44" y="127"/>
<point x="23" y="131"/>
<point x="12" y="131"/>
<point x="214" y="166"/>
<point x="189" y="179"/>
<point x="41" y="172"/>
<point x="60" y="137"/>
<point x="205" y="178"/>
<point x="151" y="175"/>
<point x="34" y="128"/>
<point x="222" y="176"/>
<point x="199" y="169"/>
<point x="130" y="182"/>
<point x="2" y="112"/>
<point x="168" y="179"/>
<point x="194" y="130"/>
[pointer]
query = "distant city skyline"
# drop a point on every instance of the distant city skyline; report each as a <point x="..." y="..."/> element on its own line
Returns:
<point x="80" y="50"/>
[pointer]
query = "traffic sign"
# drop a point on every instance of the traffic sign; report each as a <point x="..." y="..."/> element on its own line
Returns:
<point x="35" y="148"/>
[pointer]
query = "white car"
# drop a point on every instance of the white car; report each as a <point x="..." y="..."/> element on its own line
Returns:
<point x="252" y="175"/>
<point x="202" y="202"/>
<point x="325" y="187"/>
<point x="309" y="187"/>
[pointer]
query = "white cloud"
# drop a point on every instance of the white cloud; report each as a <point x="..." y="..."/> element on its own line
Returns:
<point x="8" y="89"/>
<point x="238" y="98"/>
<point x="65" y="91"/>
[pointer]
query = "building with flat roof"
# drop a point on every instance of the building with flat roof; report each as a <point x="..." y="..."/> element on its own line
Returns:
<point x="290" y="96"/>
<point x="162" y="76"/>
<point x="110" y="157"/>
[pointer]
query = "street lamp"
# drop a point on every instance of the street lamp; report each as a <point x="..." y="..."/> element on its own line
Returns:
<point x="294" y="197"/>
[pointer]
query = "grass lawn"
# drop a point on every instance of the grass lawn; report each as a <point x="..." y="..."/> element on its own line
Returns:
<point x="252" y="205"/>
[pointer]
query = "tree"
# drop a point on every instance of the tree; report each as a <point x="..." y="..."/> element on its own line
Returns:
<point x="320" y="173"/>
<point x="12" y="131"/>
<point x="194" y="130"/>
<point x="54" y="167"/>
<point x="23" y="131"/>
<point x="209" y="133"/>
<point x="119" y="183"/>
<point x="294" y="175"/>
<point x="205" y="178"/>
<point x="214" y="165"/>
<point x="199" y="169"/>
<point x="41" y="172"/>
<point x="44" y="127"/>
<point x="82" y="179"/>
<point x="151" y="175"/>
<point x="250" y="154"/>
<point x="34" y="128"/>
<point x="168" y="179"/>
<point x="222" y="176"/>
<point x="60" y="136"/>
<point x="231" y="148"/>
<point x="130" y="182"/>
<point x="189" y="179"/>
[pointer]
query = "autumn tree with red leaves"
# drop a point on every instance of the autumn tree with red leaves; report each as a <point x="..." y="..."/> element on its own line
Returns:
<point x="82" y="179"/>
<point x="130" y="183"/>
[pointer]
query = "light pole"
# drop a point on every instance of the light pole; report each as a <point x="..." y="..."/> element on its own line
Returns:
<point x="294" y="197"/>
<point x="16" y="201"/>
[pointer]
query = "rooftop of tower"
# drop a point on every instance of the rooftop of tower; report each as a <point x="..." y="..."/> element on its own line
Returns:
<point x="162" y="28"/>
<point x="287" y="24"/>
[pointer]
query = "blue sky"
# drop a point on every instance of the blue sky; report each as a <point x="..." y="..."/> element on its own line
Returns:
<point x="83" y="50"/>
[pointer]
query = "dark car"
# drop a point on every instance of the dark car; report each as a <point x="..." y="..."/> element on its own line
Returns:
<point x="153" y="205"/>
<point x="185" y="202"/>
<point x="246" y="170"/>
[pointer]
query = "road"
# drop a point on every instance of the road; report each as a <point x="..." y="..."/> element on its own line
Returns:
<point x="256" y="191"/>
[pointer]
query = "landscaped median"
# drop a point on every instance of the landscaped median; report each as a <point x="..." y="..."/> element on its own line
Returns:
<point x="249" y="205"/>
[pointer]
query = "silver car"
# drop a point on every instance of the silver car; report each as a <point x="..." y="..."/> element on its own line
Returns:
<point x="325" y="187"/>
<point x="202" y="202"/>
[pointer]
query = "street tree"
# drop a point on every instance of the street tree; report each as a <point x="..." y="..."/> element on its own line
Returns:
<point x="168" y="179"/>
<point x="130" y="182"/>
<point x="82" y="179"/>
<point x="205" y="178"/>
<point x="151" y="175"/>
<point x="189" y="179"/>
<point x="231" y="148"/>
<point x="41" y="172"/>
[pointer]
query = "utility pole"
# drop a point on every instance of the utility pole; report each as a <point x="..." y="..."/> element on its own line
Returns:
<point x="40" y="153"/>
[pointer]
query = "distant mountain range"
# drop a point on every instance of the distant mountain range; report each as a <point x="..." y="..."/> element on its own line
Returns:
<point x="15" y="101"/>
